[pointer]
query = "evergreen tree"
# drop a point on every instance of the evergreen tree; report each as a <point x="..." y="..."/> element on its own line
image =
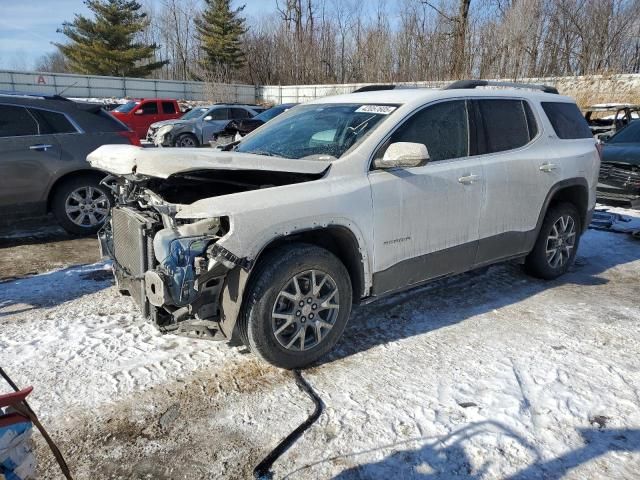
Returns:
<point x="106" y="44"/>
<point x="220" y="30"/>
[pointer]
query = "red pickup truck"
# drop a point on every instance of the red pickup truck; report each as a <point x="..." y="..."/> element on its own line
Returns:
<point x="139" y="114"/>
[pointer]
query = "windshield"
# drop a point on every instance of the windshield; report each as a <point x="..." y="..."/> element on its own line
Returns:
<point x="126" y="108"/>
<point x="324" y="131"/>
<point x="195" y="113"/>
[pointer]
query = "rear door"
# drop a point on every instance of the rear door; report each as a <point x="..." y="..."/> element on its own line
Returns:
<point x="168" y="110"/>
<point x="514" y="182"/>
<point x="28" y="156"/>
<point x="146" y="114"/>
<point x="426" y="218"/>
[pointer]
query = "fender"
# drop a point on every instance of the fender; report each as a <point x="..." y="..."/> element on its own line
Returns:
<point x="236" y="280"/>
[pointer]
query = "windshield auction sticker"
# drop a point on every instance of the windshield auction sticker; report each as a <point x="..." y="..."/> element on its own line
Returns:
<point x="380" y="109"/>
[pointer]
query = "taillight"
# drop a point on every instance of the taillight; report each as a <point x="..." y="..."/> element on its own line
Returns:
<point x="131" y="136"/>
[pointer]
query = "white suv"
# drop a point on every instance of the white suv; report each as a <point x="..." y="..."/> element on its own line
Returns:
<point x="344" y="200"/>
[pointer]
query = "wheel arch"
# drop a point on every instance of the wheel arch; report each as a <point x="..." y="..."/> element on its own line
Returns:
<point x="88" y="173"/>
<point x="338" y="239"/>
<point x="572" y="190"/>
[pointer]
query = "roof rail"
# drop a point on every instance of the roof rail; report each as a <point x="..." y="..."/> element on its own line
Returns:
<point x="11" y="93"/>
<point x="374" y="88"/>
<point x="460" y="84"/>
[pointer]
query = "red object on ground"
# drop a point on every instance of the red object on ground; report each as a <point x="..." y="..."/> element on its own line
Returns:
<point x="139" y="114"/>
<point x="11" y="400"/>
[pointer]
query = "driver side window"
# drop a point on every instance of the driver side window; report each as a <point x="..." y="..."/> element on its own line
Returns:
<point x="443" y="128"/>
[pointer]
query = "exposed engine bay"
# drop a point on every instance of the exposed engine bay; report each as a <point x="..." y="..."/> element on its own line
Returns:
<point x="173" y="268"/>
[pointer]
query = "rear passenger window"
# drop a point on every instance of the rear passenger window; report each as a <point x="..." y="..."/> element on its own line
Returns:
<point x="16" y="122"/>
<point x="150" y="108"/>
<point x="508" y="124"/>
<point x="168" y="107"/>
<point x="52" y="122"/>
<point x="239" y="113"/>
<point x="443" y="128"/>
<point x="566" y="120"/>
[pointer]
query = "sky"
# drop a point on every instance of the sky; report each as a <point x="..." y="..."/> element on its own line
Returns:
<point x="27" y="27"/>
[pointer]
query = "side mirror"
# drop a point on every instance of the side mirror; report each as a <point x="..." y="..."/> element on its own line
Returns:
<point x="403" y="154"/>
<point x="208" y="118"/>
<point x="138" y="112"/>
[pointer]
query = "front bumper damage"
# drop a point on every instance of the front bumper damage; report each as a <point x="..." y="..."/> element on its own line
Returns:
<point x="175" y="274"/>
<point x="619" y="182"/>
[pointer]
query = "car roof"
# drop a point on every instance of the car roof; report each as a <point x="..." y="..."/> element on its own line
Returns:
<point x="419" y="96"/>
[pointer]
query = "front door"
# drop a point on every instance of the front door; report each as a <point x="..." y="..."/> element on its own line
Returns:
<point x="426" y="218"/>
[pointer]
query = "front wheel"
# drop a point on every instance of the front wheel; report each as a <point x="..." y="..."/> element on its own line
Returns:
<point x="297" y="306"/>
<point x="557" y="243"/>
<point x="186" y="140"/>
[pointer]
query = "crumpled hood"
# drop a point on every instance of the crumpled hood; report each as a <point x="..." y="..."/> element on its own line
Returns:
<point x="124" y="160"/>
<point x="174" y="121"/>
<point x="621" y="153"/>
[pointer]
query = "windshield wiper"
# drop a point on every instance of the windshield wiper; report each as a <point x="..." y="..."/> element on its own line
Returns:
<point x="261" y="152"/>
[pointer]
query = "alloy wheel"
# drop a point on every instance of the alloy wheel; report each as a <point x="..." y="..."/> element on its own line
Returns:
<point x="87" y="206"/>
<point x="305" y="310"/>
<point x="561" y="241"/>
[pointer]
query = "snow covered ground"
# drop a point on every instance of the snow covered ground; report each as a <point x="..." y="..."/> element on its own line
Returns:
<point x="486" y="375"/>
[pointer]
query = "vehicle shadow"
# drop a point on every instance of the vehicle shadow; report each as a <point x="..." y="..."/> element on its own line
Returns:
<point x="444" y="457"/>
<point x="452" y="300"/>
<point x="52" y="288"/>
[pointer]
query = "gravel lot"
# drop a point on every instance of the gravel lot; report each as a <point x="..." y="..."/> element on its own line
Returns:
<point x="486" y="375"/>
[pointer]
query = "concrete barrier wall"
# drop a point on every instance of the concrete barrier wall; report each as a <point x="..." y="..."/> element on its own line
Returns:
<point x="586" y="89"/>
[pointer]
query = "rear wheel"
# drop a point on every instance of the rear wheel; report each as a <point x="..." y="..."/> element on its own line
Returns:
<point x="81" y="205"/>
<point x="557" y="243"/>
<point x="186" y="140"/>
<point x="297" y="306"/>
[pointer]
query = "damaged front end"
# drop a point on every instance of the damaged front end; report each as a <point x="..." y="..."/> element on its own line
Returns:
<point x="174" y="271"/>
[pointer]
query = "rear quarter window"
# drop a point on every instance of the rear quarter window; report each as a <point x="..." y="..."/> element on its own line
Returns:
<point x="566" y="120"/>
<point x="52" y="122"/>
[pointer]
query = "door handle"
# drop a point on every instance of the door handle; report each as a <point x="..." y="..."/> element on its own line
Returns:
<point x="41" y="147"/>
<point x="548" y="167"/>
<point x="468" y="179"/>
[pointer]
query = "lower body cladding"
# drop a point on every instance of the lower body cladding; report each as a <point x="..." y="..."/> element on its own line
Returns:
<point x="177" y="281"/>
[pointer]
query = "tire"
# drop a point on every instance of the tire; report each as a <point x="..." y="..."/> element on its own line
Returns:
<point x="541" y="264"/>
<point x="186" y="140"/>
<point x="70" y="207"/>
<point x="278" y="339"/>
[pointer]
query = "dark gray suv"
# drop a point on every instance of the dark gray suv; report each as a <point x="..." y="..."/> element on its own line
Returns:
<point x="44" y="143"/>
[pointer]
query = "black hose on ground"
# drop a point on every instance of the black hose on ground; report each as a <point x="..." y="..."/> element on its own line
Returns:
<point x="263" y="470"/>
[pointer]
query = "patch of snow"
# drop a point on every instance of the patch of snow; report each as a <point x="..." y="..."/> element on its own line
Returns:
<point x="487" y="375"/>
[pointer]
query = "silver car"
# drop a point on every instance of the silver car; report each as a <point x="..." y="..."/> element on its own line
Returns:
<point x="199" y="125"/>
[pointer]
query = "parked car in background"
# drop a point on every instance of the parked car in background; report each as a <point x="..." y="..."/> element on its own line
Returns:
<point x="606" y="119"/>
<point x="347" y="199"/>
<point x="140" y="114"/>
<point x="620" y="169"/>
<point x="198" y="126"/>
<point x="44" y="143"/>
<point x="236" y="129"/>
